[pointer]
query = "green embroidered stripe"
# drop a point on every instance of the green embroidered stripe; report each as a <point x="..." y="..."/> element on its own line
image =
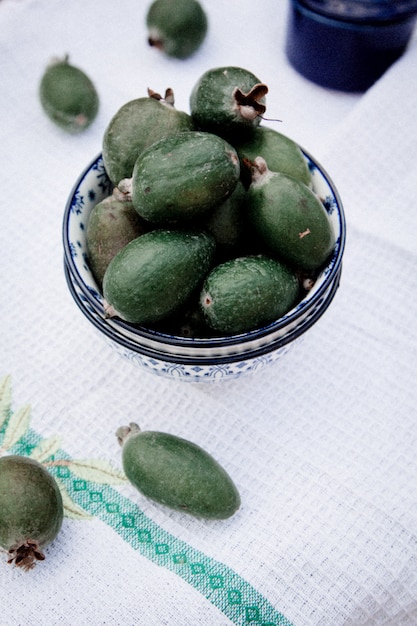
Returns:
<point x="223" y="587"/>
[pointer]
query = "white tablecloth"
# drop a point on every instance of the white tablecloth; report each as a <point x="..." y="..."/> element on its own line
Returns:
<point x="322" y="445"/>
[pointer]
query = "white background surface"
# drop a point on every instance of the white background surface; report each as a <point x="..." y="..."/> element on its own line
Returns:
<point x="322" y="445"/>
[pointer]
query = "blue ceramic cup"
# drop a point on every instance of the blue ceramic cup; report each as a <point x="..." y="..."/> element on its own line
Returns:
<point x="348" y="44"/>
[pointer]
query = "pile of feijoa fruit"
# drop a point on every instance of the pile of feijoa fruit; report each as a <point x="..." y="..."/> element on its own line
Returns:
<point x="213" y="227"/>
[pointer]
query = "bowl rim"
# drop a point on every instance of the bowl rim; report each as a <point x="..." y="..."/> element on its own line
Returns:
<point x="202" y="361"/>
<point x="95" y="298"/>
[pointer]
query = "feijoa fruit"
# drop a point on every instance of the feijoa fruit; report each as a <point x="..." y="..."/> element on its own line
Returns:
<point x="135" y="126"/>
<point x="154" y="275"/>
<point x="248" y="292"/>
<point x="280" y="152"/>
<point x="182" y="176"/>
<point x="177" y="473"/>
<point x="31" y="509"/>
<point x="113" y="222"/>
<point x="228" y="101"/>
<point x="68" y="96"/>
<point x="226" y="222"/>
<point x="176" y="27"/>
<point x="289" y="218"/>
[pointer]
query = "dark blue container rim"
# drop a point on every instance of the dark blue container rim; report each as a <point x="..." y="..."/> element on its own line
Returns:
<point x="364" y="12"/>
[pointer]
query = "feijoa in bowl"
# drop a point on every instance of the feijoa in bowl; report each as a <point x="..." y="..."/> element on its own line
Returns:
<point x="195" y="356"/>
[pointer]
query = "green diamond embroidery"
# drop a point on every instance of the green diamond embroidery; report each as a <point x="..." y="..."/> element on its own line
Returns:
<point x="252" y="614"/>
<point x="111" y="507"/>
<point x="216" y="582"/>
<point x="62" y="471"/>
<point x="235" y="597"/>
<point x="79" y="485"/>
<point x="239" y="601"/>
<point x="144" y="536"/>
<point x="128" y="521"/>
<point x="179" y="558"/>
<point x="162" y="548"/>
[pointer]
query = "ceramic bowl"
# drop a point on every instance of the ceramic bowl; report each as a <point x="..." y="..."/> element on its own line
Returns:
<point x="187" y="358"/>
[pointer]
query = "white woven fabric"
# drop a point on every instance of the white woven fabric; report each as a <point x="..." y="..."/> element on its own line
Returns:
<point x="322" y="445"/>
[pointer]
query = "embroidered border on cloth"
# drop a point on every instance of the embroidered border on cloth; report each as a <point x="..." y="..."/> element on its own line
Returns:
<point x="83" y="497"/>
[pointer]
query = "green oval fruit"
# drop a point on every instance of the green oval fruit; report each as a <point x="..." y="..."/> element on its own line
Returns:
<point x="246" y="293"/>
<point x="227" y="100"/>
<point x="31" y="509"/>
<point x="176" y="27"/>
<point x="280" y="152"/>
<point x="113" y="222"/>
<point x="183" y="176"/>
<point x="68" y="96"/>
<point x="154" y="275"/>
<point x="289" y="218"/>
<point x="226" y="222"/>
<point x="137" y="125"/>
<point x="177" y="473"/>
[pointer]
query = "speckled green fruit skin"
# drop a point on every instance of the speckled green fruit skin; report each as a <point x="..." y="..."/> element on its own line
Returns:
<point x="179" y="474"/>
<point x="212" y="105"/>
<point x="68" y="97"/>
<point x="280" y="152"/>
<point x="136" y="125"/>
<point x="183" y="176"/>
<point x="226" y="222"/>
<point x="30" y="503"/>
<point x="112" y="224"/>
<point x="154" y="275"/>
<point x="247" y="293"/>
<point x="176" y="27"/>
<point x="291" y="221"/>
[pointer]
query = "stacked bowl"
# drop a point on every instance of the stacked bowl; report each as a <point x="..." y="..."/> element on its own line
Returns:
<point x="190" y="358"/>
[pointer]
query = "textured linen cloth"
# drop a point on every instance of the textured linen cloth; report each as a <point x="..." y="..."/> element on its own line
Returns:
<point x="322" y="445"/>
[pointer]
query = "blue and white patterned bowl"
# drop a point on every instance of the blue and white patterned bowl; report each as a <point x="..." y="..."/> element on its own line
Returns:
<point x="187" y="358"/>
